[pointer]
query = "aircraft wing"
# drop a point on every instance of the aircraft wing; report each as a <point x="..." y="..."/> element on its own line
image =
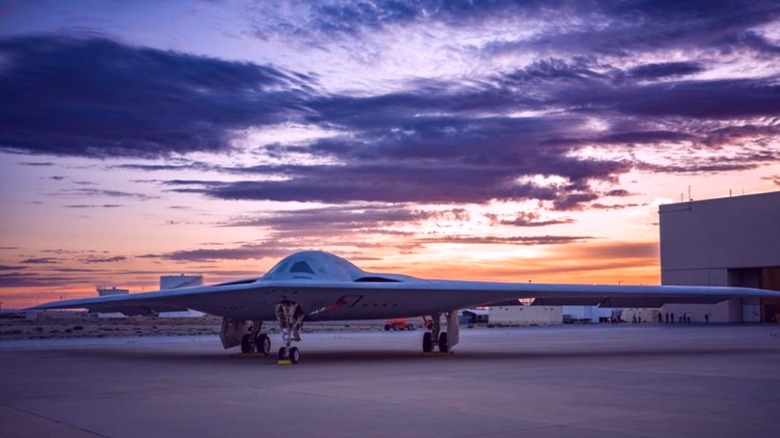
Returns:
<point x="348" y="300"/>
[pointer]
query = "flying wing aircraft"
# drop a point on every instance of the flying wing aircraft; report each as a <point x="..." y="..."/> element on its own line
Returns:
<point x="319" y="286"/>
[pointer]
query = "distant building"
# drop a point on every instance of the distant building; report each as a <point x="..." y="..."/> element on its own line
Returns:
<point x="168" y="282"/>
<point x="731" y="241"/>
<point x="518" y="314"/>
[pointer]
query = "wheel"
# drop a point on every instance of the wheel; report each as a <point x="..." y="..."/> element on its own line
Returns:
<point x="427" y="342"/>
<point x="387" y="327"/>
<point x="295" y="355"/>
<point x="263" y="343"/>
<point x="444" y="346"/>
<point x="283" y="353"/>
<point x="246" y="344"/>
<point x="410" y="327"/>
<point x="396" y="327"/>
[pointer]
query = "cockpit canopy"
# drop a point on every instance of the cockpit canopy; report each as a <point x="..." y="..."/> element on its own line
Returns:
<point x="323" y="266"/>
<point x="314" y="265"/>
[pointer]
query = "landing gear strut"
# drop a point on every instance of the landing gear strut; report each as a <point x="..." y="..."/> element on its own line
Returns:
<point x="290" y="317"/>
<point x="435" y="338"/>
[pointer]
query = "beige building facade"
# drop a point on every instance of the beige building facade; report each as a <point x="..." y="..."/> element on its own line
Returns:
<point x="731" y="241"/>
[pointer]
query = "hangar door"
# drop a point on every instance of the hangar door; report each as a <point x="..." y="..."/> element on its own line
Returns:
<point x="770" y="307"/>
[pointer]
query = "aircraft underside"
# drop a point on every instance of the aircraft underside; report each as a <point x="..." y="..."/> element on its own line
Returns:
<point x="250" y="335"/>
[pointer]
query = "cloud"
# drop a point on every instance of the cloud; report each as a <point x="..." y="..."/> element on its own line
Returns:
<point x="41" y="261"/>
<point x="37" y="280"/>
<point x="601" y="206"/>
<point x="36" y="164"/>
<point x="616" y="250"/>
<point x="598" y="83"/>
<point x="93" y="97"/>
<point x="348" y="20"/>
<point x="714" y="99"/>
<point x="92" y="192"/>
<point x="349" y="217"/>
<point x="530" y="219"/>
<point x="623" y="29"/>
<point x="93" y="206"/>
<point x="665" y="70"/>
<point x="512" y="240"/>
<point x="244" y="252"/>
<point x="113" y="259"/>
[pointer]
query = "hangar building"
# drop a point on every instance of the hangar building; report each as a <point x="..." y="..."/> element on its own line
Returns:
<point x="731" y="241"/>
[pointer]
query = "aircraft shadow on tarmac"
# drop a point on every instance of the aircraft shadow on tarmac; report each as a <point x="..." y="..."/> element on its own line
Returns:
<point x="353" y="356"/>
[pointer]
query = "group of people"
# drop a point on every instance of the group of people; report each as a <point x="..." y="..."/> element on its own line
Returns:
<point x="682" y="317"/>
<point x="667" y="317"/>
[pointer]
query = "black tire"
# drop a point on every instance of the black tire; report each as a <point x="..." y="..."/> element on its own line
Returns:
<point x="283" y="353"/>
<point x="427" y="346"/>
<point x="387" y="327"/>
<point x="444" y="346"/>
<point x="246" y="344"/>
<point x="263" y="344"/>
<point x="410" y="327"/>
<point x="295" y="355"/>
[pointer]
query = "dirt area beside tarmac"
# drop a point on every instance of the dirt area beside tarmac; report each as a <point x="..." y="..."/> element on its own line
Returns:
<point x="52" y="325"/>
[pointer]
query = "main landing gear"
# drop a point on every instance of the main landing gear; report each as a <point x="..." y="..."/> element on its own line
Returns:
<point x="442" y="341"/>
<point x="239" y="332"/>
<point x="290" y="317"/>
<point x="255" y="341"/>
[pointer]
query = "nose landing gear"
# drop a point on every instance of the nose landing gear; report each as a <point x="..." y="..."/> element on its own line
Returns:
<point x="290" y="317"/>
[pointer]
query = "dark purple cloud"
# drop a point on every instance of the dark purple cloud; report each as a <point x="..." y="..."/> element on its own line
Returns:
<point x="610" y="26"/>
<point x="624" y="29"/>
<point x="715" y="99"/>
<point x="37" y="164"/>
<point x="94" y="97"/>
<point x="664" y="70"/>
<point x="399" y="182"/>
<point x="430" y="141"/>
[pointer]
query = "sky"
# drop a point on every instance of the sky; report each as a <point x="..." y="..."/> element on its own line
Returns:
<point x="491" y="140"/>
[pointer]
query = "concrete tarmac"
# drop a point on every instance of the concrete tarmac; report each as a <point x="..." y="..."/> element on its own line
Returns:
<point x="567" y="381"/>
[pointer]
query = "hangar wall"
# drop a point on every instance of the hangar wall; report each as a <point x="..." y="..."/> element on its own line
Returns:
<point x="731" y="241"/>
